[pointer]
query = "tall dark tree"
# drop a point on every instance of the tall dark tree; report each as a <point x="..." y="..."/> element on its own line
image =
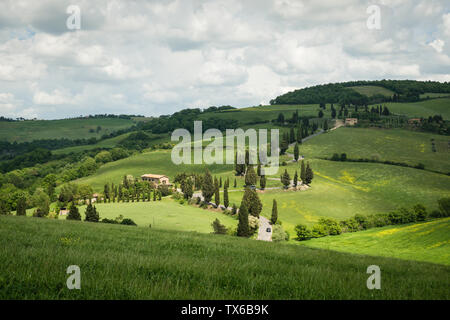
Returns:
<point x="320" y="114"/>
<point x="250" y="176"/>
<point x="285" y="179"/>
<point x="252" y="202"/>
<point x="262" y="182"/>
<point x="74" y="214"/>
<point x="106" y="191"/>
<point x="207" y="186"/>
<point x="291" y="135"/>
<point x="235" y="183"/>
<point x="274" y="216"/>
<point x="299" y="135"/>
<point x="296" y="152"/>
<point x="303" y="172"/>
<point x="216" y="192"/>
<point x="295" y="179"/>
<point x="243" y="229"/>
<point x="325" y="125"/>
<point x="91" y="214"/>
<point x="226" y="202"/>
<point x="309" y="174"/>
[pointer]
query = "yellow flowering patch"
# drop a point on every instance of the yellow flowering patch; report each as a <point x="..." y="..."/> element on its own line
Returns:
<point x="387" y="232"/>
<point x="438" y="244"/>
<point x="347" y="177"/>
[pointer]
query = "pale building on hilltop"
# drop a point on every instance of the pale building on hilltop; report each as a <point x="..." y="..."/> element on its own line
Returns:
<point x="156" y="178"/>
<point x="351" y="121"/>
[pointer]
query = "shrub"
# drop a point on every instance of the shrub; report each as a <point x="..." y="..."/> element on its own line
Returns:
<point x="218" y="227"/>
<point x="444" y="206"/>
<point x="436" y="214"/>
<point x="128" y="222"/>
<point x="349" y="225"/>
<point x="421" y="212"/>
<point x="318" y="231"/>
<point x="303" y="233"/>
<point x="106" y="220"/>
<point x="331" y="226"/>
<point x="278" y="234"/>
<point x="362" y="221"/>
<point x="164" y="190"/>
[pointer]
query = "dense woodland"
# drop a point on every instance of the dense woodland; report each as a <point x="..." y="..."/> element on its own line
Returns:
<point x="404" y="91"/>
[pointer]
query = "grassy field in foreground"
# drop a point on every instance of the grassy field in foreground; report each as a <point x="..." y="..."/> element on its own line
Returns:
<point x="428" y="241"/>
<point x="121" y="262"/>
<point x="55" y="129"/>
<point x="164" y="214"/>
<point x="394" y="144"/>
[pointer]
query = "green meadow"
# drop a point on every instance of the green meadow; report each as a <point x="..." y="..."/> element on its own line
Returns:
<point x="427" y="241"/>
<point x="166" y="214"/>
<point x="382" y="144"/>
<point x="342" y="189"/>
<point x="123" y="262"/>
<point x="423" y="108"/>
<point x="56" y="129"/>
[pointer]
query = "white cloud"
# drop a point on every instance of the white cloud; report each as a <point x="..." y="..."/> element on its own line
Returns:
<point x="155" y="57"/>
<point x="437" y="45"/>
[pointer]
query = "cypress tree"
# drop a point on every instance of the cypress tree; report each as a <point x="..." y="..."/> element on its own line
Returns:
<point x="258" y="170"/>
<point x="295" y="179"/>
<point x="235" y="183"/>
<point x="252" y="202"/>
<point x="291" y="135"/>
<point x="159" y="195"/>
<point x="325" y="125"/>
<point x="309" y="174"/>
<point x="250" y="176"/>
<point x="299" y="135"/>
<point x="274" y="216"/>
<point x="74" y="214"/>
<point x="154" y="195"/>
<point x="226" y="202"/>
<point x="91" y="214"/>
<point x="285" y="179"/>
<point x="207" y="186"/>
<point x="262" y="182"/>
<point x="303" y="173"/>
<point x="243" y="227"/>
<point x="296" y="152"/>
<point x="216" y="193"/>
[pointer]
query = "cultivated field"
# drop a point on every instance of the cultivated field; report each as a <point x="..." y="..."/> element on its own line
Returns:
<point x="56" y="129"/>
<point x="372" y="90"/>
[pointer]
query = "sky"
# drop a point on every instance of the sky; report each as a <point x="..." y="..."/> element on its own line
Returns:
<point x="157" y="57"/>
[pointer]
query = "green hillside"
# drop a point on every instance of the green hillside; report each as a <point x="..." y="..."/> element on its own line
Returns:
<point x="394" y="144"/>
<point x="423" y="108"/>
<point x="340" y="190"/>
<point x="428" y="241"/>
<point x="165" y="214"/>
<point x="21" y="131"/>
<point x="122" y="262"/>
<point x="373" y="90"/>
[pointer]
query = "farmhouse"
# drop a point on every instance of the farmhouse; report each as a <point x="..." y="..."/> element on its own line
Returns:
<point x="414" y="121"/>
<point x="156" y="178"/>
<point x="351" y="121"/>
